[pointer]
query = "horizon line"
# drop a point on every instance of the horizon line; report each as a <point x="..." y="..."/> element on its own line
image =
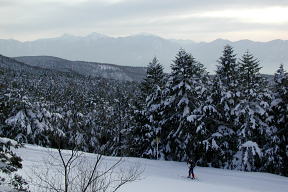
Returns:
<point x="138" y="34"/>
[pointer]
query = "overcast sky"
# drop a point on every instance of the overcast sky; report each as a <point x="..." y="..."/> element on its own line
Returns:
<point x="198" y="20"/>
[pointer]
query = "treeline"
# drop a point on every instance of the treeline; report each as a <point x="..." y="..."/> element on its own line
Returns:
<point x="233" y="120"/>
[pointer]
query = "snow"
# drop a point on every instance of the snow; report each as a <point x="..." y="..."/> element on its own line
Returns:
<point x="275" y="102"/>
<point x="186" y="111"/>
<point x="108" y="67"/>
<point x="184" y="100"/>
<point x="214" y="144"/>
<point x="169" y="176"/>
<point x="217" y="135"/>
<point x="192" y="118"/>
<point x="19" y="117"/>
<point x="254" y="147"/>
<point x="209" y="108"/>
<point x="7" y="140"/>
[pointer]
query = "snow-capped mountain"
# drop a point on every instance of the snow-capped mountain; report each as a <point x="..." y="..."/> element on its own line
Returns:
<point x="138" y="50"/>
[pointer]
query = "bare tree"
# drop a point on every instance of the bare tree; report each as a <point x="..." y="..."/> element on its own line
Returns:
<point x="75" y="171"/>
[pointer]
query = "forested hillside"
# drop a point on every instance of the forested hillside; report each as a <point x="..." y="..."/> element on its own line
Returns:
<point x="92" y="69"/>
<point x="233" y="120"/>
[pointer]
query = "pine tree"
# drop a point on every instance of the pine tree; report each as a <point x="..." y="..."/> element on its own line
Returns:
<point x="227" y="70"/>
<point x="251" y="114"/>
<point x="148" y="115"/>
<point x="183" y="94"/>
<point x="155" y="79"/>
<point x="215" y="114"/>
<point x="276" y="149"/>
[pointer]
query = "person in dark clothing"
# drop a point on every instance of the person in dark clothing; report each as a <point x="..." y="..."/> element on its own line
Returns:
<point x="191" y="165"/>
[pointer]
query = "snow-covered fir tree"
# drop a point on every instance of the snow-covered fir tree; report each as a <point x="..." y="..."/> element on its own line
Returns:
<point x="215" y="115"/>
<point x="148" y="116"/>
<point x="251" y="114"/>
<point x="276" y="150"/>
<point x="155" y="78"/>
<point x="182" y="95"/>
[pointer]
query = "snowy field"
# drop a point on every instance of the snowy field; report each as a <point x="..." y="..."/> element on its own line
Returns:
<point x="168" y="176"/>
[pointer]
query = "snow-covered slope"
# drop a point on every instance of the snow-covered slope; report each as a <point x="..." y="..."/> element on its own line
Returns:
<point x="168" y="176"/>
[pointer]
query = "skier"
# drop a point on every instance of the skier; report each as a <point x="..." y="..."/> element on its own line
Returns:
<point x="191" y="164"/>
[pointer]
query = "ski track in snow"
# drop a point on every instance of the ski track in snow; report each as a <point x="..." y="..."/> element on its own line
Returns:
<point x="169" y="176"/>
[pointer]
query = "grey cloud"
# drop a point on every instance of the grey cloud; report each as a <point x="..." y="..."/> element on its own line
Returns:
<point x="132" y="15"/>
<point x="6" y="3"/>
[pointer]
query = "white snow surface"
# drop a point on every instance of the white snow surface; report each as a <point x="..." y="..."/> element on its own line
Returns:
<point x="5" y="140"/>
<point x="169" y="176"/>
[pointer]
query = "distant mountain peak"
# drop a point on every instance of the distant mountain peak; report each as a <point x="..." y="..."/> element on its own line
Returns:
<point x="246" y="41"/>
<point x="96" y="36"/>
<point x="92" y="36"/>
<point x="144" y="34"/>
<point x="68" y="36"/>
<point x="220" y="40"/>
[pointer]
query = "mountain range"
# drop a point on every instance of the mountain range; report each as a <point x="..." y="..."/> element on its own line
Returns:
<point x="138" y="50"/>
